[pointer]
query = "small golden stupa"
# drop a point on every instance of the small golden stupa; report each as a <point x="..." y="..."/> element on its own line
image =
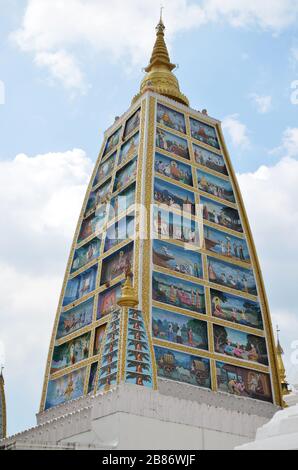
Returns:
<point x="281" y="368"/>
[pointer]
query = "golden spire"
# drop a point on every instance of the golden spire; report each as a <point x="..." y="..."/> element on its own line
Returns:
<point x="281" y="368"/>
<point x="159" y="76"/>
<point x="128" y="297"/>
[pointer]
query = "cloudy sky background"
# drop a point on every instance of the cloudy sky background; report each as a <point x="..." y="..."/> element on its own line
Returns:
<point x="67" y="68"/>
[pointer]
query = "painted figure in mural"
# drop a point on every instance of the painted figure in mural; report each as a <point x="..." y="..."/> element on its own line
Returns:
<point x="232" y="276"/>
<point x="132" y="123"/>
<point x="179" y="293"/>
<point x="209" y="159"/>
<point x="216" y="186"/>
<point x="173" y="169"/>
<point x="174" y="197"/>
<point x="112" y="142"/>
<point x="204" y="133"/>
<point x="126" y="175"/>
<point x="177" y="258"/>
<point x="172" y="143"/>
<point x="129" y="149"/>
<point x="221" y="215"/>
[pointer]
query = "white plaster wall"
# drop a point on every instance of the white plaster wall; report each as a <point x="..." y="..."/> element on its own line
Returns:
<point x="131" y="417"/>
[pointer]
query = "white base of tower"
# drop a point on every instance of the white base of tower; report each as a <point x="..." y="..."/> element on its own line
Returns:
<point x="281" y="432"/>
<point x="132" y="417"/>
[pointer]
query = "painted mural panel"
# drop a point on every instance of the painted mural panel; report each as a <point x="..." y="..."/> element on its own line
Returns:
<point x="177" y="259"/>
<point x="92" y="377"/>
<point x="105" y="169"/>
<point x="225" y="244"/>
<point x="126" y="175"/>
<point x="172" y="143"/>
<point x="93" y="224"/>
<point x="86" y="254"/>
<point x="220" y="214"/>
<point x="69" y="354"/>
<point x="130" y="148"/>
<point x="236" y="309"/>
<point x="132" y="123"/>
<point x="107" y="301"/>
<point x="167" y="225"/>
<point x="231" y="276"/>
<point x="210" y="160"/>
<point x="182" y="367"/>
<point x="178" y="292"/>
<point x="243" y="382"/>
<point x="173" y="196"/>
<point x="204" y="133"/>
<point x="240" y="345"/>
<point x="170" y="118"/>
<point x="180" y="329"/>
<point x="173" y="169"/>
<point x="122" y="230"/>
<point x="75" y="318"/>
<point x="138" y="367"/>
<point x="216" y="186"/>
<point x="80" y="285"/>
<point x="99" y="196"/>
<point x="65" y="388"/>
<point x="99" y="334"/>
<point x="116" y="264"/>
<point x="122" y="202"/>
<point x="112" y="142"/>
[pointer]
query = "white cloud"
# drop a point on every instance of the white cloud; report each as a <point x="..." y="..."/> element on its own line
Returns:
<point x="263" y="103"/>
<point x="290" y="141"/>
<point x="236" y="130"/>
<point x="40" y="199"/>
<point x="271" y="15"/>
<point x="270" y="196"/>
<point x="125" y="30"/>
<point x="63" y="67"/>
<point x="289" y="144"/>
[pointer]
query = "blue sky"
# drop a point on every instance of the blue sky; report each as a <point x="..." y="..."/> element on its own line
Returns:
<point x="68" y="68"/>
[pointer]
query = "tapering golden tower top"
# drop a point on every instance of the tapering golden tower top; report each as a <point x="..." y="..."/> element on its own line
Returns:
<point x="281" y="367"/>
<point x="129" y="296"/>
<point x="159" y="73"/>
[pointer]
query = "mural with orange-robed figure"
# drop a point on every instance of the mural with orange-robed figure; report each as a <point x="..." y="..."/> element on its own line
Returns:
<point x="178" y="292"/>
<point x="107" y="301"/>
<point x="236" y="309"/>
<point x="173" y="169"/>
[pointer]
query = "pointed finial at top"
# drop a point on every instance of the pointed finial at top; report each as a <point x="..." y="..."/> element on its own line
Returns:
<point x="160" y="27"/>
<point x="159" y="72"/>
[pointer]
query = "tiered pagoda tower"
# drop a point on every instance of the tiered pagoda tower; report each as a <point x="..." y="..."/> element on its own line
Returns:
<point x="187" y="342"/>
<point x="164" y="200"/>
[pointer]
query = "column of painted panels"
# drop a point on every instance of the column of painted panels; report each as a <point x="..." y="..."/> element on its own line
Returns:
<point x="206" y="317"/>
<point x="103" y="248"/>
